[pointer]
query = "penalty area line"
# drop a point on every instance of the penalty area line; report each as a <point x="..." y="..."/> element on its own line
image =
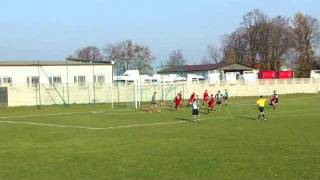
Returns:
<point x="41" y="115"/>
<point x="60" y="114"/>
<point x="105" y="128"/>
<point x="93" y="128"/>
<point x="45" y="124"/>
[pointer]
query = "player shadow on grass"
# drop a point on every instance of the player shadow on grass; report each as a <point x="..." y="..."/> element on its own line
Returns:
<point x="184" y="119"/>
<point x="246" y="117"/>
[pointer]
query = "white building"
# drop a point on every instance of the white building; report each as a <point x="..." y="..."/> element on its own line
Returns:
<point x="215" y="73"/>
<point x="54" y="72"/>
<point x="315" y="74"/>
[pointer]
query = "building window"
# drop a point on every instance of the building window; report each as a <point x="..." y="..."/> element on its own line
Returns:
<point x="34" y="81"/>
<point x="80" y="80"/>
<point x="7" y="81"/>
<point x="55" y="80"/>
<point x="99" y="79"/>
<point x="28" y="81"/>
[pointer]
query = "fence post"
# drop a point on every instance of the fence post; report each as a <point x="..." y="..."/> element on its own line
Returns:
<point x="112" y="94"/>
<point x="318" y="91"/>
<point x="135" y="95"/>
<point x="302" y="84"/>
<point x="140" y="88"/>
<point x="89" y="94"/>
<point x="39" y="85"/>
<point x="294" y="84"/>
<point x="67" y="66"/>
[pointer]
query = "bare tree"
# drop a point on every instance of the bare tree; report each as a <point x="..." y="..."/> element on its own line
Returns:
<point x="235" y="47"/>
<point x="259" y="40"/>
<point x="317" y="63"/>
<point x="251" y="23"/>
<point x="290" y="57"/>
<point x="264" y="31"/>
<point x="122" y="53"/>
<point x="176" y="59"/>
<point x="143" y="59"/>
<point x="280" y="42"/>
<point x="306" y="35"/>
<point x="90" y="53"/>
<point x="214" y="55"/>
<point x="130" y="55"/>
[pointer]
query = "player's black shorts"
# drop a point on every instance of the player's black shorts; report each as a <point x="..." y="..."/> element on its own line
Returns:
<point x="261" y="109"/>
<point x="153" y="103"/>
<point x="195" y="111"/>
<point x="218" y="102"/>
<point x="226" y="98"/>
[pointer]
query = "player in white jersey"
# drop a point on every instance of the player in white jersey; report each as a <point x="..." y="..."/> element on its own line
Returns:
<point x="219" y="98"/>
<point x="195" y="110"/>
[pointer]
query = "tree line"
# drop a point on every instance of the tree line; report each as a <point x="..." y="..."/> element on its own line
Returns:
<point x="263" y="42"/>
<point x="126" y="54"/>
<point x="270" y="43"/>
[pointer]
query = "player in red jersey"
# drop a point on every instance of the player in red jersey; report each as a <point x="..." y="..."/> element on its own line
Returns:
<point x="205" y="97"/>
<point x="192" y="97"/>
<point x="274" y="100"/>
<point x="211" y="103"/>
<point x="178" y="101"/>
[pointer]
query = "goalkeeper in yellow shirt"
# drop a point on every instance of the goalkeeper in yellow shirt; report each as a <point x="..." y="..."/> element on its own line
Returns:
<point x="261" y="102"/>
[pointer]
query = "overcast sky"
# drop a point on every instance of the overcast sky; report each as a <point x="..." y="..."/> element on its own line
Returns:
<point x="51" y="30"/>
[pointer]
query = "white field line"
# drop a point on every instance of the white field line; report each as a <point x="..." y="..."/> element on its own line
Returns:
<point x="60" y="114"/>
<point x="105" y="128"/>
<point x="50" y="125"/>
<point x="93" y="128"/>
<point x="41" y="115"/>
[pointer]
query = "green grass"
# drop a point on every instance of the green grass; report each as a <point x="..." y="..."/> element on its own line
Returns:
<point x="225" y="145"/>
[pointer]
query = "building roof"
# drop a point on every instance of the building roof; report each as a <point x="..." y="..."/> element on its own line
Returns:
<point x="207" y="67"/>
<point x="69" y="62"/>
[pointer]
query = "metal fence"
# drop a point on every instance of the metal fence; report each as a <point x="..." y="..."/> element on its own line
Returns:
<point x="132" y="95"/>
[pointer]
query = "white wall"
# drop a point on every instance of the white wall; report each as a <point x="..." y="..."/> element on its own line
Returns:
<point x="20" y="95"/>
<point x="19" y="74"/>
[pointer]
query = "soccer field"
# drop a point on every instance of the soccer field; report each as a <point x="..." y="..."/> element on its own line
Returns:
<point x="96" y="142"/>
